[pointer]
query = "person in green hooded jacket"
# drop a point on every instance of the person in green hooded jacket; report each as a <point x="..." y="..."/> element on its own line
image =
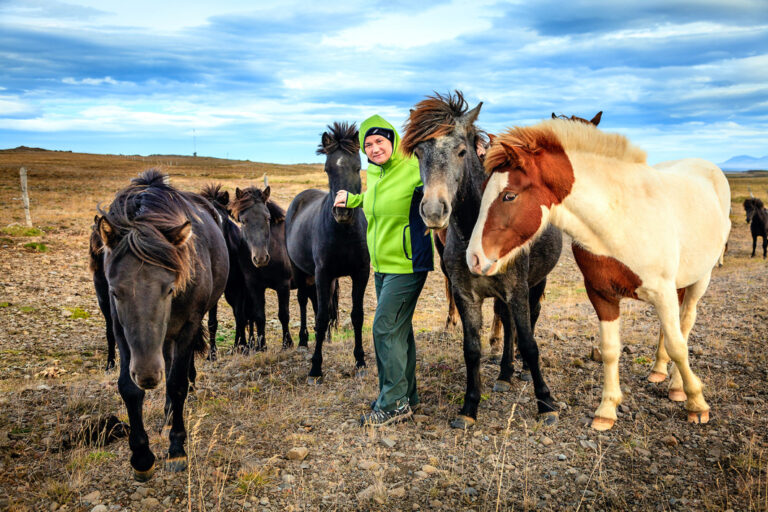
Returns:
<point x="401" y="254"/>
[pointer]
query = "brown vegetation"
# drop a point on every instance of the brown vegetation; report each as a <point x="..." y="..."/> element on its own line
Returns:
<point x="250" y="411"/>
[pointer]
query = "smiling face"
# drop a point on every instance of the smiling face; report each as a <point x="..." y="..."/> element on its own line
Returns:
<point x="378" y="149"/>
<point x="526" y="181"/>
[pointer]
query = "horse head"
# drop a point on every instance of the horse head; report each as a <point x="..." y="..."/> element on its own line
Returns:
<point x="250" y="209"/>
<point x="341" y="147"/>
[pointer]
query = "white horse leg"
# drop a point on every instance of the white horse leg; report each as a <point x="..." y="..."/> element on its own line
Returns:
<point x="666" y="304"/>
<point x="610" y="346"/>
<point x="659" y="372"/>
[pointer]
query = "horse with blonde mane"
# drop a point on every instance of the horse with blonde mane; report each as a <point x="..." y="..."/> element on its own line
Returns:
<point x="651" y="233"/>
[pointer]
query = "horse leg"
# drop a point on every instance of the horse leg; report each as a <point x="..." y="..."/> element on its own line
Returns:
<point x="260" y="319"/>
<point x="283" y="313"/>
<point x="213" y="325"/>
<point x="754" y="245"/>
<point x="506" y="364"/>
<point x="472" y="322"/>
<point x="765" y="245"/>
<point x="608" y="312"/>
<point x="359" y="282"/>
<point x="323" y="286"/>
<point x="659" y="371"/>
<point x="497" y="337"/>
<point x="142" y="458"/>
<point x="302" y="296"/>
<point x="677" y="346"/>
<point x="452" y="320"/>
<point x="177" y="386"/>
<point x="110" y="342"/>
<point x="535" y="294"/>
<point x="521" y="314"/>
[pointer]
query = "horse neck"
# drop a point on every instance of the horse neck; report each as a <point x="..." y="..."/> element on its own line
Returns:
<point x="760" y="217"/>
<point x="466" y="205"/>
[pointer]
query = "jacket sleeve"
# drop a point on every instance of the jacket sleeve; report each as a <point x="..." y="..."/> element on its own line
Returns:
<point x="355" y="200"/>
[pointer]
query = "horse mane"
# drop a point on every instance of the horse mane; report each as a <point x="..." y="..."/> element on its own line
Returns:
<point x="342" y="136"/>
<point x="143" y="216"/>
<point x="434" y="117"/>
<point x="570" y="135"/>
<point x="248" y="197"/>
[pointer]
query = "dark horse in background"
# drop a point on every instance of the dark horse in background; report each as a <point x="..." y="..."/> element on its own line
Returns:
<point x="757" y="218"/>
<point x="441" y="133"/>
<point x="166" y="264"/>
<point x="263" y="257"/>
<point x="235" y="292"/>
<point x="325" y="243"/>
<point x="96" y="252"/>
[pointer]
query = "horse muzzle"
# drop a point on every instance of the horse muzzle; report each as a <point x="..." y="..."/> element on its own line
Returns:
<point x="342" y="215"/>
<point x="147" y="379"/>
<point x="435" y="213"/>
<point x="480" y="265"/>
<point x="260" y="260"/>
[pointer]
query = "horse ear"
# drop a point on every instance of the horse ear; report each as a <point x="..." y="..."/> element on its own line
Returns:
<point x="180" y="234"/>
<point x="596" y="120"/>
<point x="225" y="197"/>
<point x="471" y="116"/>
<point x="491" y="138"/>
<point x="238" y="193"/>
<point x="326" y="139"/>
<point x="554" y="116"/>
<point x="266" y="193"/>
<point x="106" y="231"/>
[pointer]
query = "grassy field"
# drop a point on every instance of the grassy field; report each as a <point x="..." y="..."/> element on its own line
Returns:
<point x="249" y="411"/>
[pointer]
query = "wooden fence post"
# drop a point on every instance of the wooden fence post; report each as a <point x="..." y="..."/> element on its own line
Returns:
<point x="25" y="195"/>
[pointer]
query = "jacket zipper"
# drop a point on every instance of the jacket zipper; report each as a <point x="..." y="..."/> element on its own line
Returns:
<point x="373" y="214"/>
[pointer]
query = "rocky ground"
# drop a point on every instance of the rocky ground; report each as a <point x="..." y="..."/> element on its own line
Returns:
<point x="261" y="439"/>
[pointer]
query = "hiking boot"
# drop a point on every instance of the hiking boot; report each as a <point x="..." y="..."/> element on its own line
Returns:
<point x="379" y="418"/>
<point x="414" y="408"/>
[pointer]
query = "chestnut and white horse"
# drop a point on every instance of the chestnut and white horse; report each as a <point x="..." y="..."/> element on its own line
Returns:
<point x="648" y="233"/>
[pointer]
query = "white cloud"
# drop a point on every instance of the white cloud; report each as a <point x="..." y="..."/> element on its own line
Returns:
<point x="92" y="81"/>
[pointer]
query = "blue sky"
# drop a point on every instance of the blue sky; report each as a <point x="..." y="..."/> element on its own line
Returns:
<point x="261" y="80"/>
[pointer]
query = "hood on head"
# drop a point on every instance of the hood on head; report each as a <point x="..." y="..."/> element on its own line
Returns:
<point x="376" y="121"/>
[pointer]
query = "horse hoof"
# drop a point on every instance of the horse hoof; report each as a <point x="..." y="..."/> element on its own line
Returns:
<point x="698" y="416"/>
<point x="677" y="395"/>
<point x="312" y="381"/>
<point x="601" y="424"/>
<point x="176" y="464"/>
<point x="657" y="377"/>
<point x="462" y="422"/>
<point x="361" y="372"/>
<point x="110" y="366"/>
<point x="525" y="376"/>
<point x="502" y="386"/>
<point x="143" y="476"/>
<point x="549" y="418"/>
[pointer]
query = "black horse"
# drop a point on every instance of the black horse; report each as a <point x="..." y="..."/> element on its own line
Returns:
<point x="166" y="264"/>
<point x="96" y="252"/>
<point x="235" y="292"/>
<point x="263" y="258"/>
<point x="757" y="218"/>
<point x="325" y="243"/>
<point x="442" y="134"/>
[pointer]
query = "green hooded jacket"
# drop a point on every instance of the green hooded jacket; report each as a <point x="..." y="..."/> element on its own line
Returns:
<point x="398" y="239"/>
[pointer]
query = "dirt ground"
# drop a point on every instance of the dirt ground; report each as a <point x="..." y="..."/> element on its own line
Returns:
<point x="250" y="411"/>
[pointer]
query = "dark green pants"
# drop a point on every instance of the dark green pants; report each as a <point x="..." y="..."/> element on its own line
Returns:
<point x="393" y="338"/>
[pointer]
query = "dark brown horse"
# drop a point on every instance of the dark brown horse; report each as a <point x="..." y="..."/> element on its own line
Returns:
<point x="96" y="252"/>
<point x="757" y="218"/>
<point x="166" y="264"/>
<point x="441" y="132"/>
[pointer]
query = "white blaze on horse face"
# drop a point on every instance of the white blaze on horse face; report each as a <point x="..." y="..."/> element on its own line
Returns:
<point x="338" y="162"/>
<point x="496" y="184"/>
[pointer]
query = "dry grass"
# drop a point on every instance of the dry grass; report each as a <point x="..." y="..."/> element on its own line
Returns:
<point x="249" y="411"/>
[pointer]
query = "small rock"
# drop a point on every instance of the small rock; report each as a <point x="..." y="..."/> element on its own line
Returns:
<point x="389" y="443"/>
<point x="670" y="440"/>
<point x="368" y="465"/>
<point x="596" y="355"/>
<point x="561" y="457"/>
<point x="99" y="508"/>
<point x="420" y="418"/>
<point x="287" y="478"/>
<point x="397" y="492"/>
<point x="578" y="363"/>
<point x="428" y="469"/>
<point x="642" y="452"/>
<point x="588" y="445"/>
<point x="150" y="502"/>
<point x="420" y="474"/>
<point x="92" y="498"/>
<point x="366" y="494"/>
<point x="142" y="491"/>
<point x="298" y="453"/>
<point x="629" y="349"/>
<point x="264" y="501"/>
<point x="546" y="441"/>
<point x="469" y="491"/>
<point x="398" y="455"/>
<point x="582" y="479"/>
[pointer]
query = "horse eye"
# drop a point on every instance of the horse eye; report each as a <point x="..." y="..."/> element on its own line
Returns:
<point x="462" y="153"/>
<point x="509" y="196"/>
<point x="171" y="290"/>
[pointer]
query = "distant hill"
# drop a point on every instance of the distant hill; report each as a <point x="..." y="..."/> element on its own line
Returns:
<point x="745" y="163"/>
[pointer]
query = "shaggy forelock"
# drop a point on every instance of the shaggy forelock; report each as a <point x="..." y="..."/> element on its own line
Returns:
<point x="433" y="117"/>
<point x="343" y="136"/>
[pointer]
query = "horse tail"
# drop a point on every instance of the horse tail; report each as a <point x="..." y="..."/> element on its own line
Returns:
<point x="200" y="341"/>
<point x="333" y="307"/>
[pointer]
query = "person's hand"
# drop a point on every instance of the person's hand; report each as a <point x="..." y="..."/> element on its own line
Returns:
<point x="341" y="199"/>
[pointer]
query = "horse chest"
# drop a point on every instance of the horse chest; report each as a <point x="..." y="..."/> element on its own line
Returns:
<point x="607" y="281"/>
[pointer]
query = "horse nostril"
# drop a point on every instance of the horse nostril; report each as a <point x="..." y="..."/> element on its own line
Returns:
<point x="444" y="206"/>
<point x="475" y="262"/>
